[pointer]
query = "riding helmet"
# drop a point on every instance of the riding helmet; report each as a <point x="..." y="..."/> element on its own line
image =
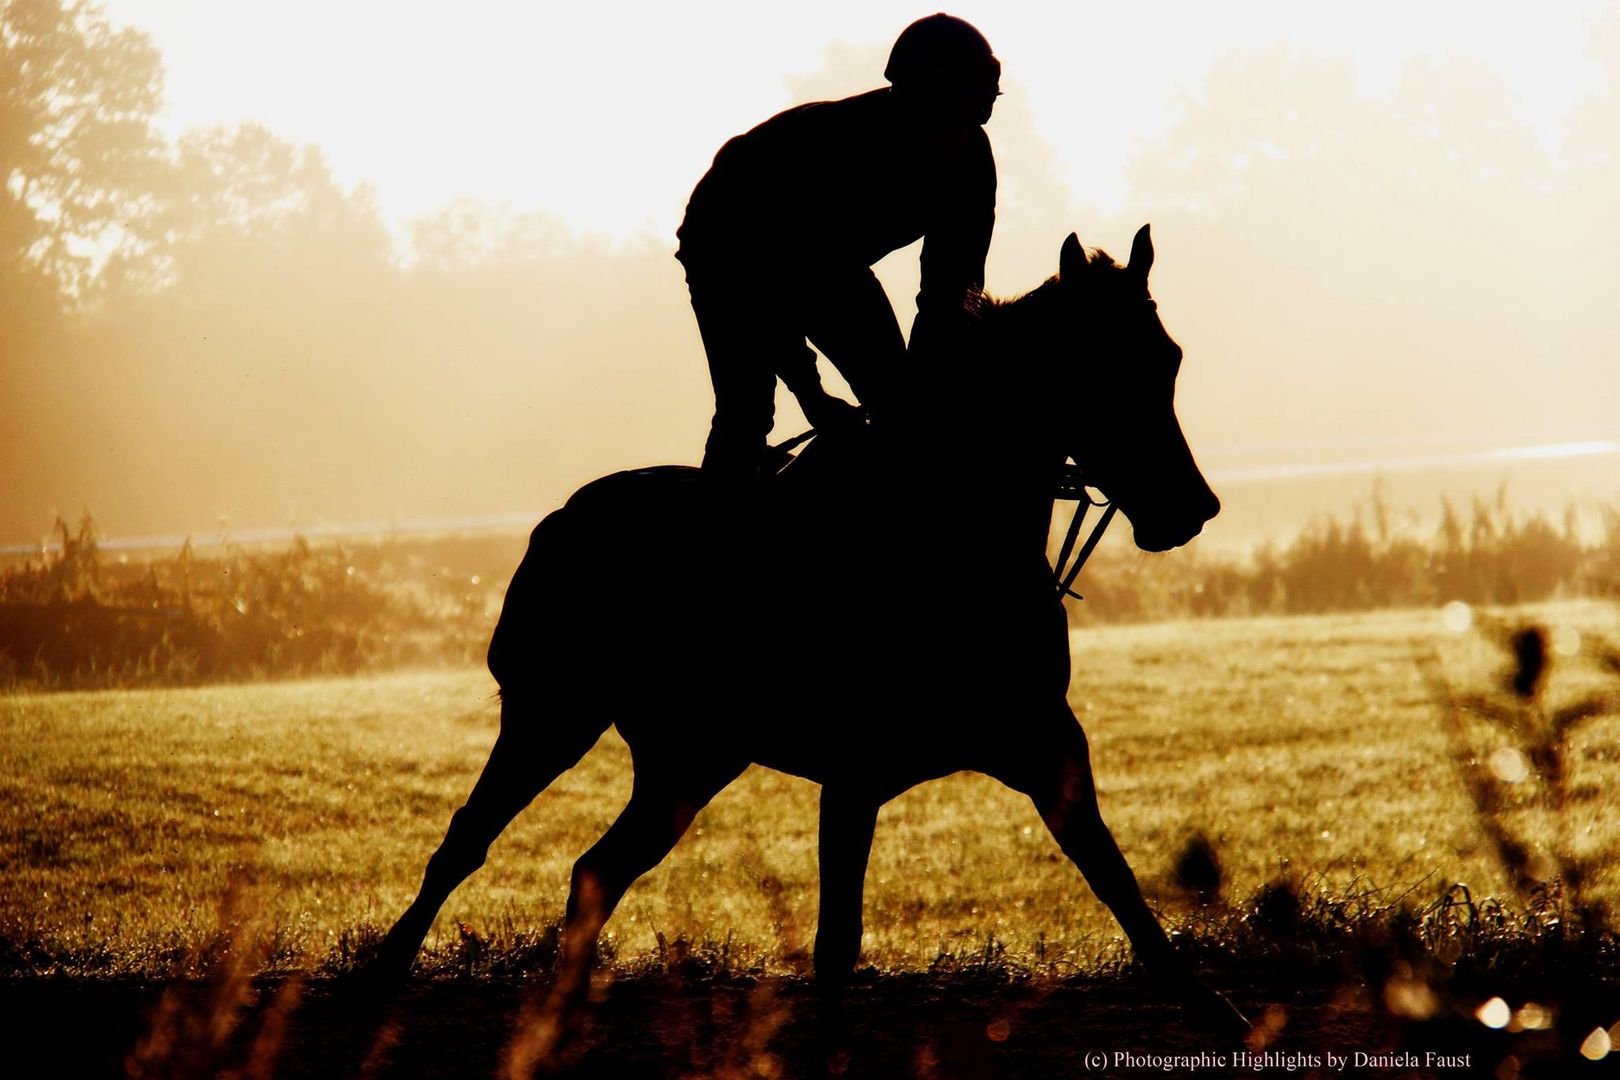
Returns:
<point x="940" y="48"/>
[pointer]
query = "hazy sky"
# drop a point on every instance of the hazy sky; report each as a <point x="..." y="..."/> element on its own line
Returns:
<point x="607" y="113"/>
<point x="1369" y="260"/>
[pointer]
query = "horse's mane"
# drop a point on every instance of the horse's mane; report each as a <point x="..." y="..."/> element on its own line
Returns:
<point x="1000" y="313"/>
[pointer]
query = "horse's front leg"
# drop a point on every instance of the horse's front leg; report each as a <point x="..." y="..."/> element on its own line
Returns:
<point x="1054" y="770"/>
<point x="848" y="819"/>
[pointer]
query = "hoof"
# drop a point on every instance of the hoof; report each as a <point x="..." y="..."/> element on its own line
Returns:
<point x="386" y="969"/>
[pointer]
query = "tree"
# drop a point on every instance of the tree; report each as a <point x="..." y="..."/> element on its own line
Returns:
<point x="250" y="208"/>
<point x="82" y="166"/>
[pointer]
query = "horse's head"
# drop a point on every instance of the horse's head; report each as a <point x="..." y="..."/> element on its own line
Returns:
<point x="1127" y="439"/>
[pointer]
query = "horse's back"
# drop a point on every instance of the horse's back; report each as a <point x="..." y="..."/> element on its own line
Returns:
<point x="659" y="539"/>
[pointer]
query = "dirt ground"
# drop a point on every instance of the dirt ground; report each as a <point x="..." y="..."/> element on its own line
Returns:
<point x="952" y="1028"/>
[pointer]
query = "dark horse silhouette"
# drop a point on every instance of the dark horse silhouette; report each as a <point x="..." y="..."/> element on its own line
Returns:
<point x="804" y="635"/>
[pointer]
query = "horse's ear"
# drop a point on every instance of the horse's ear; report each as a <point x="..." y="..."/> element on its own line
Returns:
<point x="1142" y="252"/>
<point x="1072" y="259"/>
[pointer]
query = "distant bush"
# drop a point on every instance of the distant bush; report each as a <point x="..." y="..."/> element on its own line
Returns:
<point x="75" y="618"/>
<point x="1491" y="556"/>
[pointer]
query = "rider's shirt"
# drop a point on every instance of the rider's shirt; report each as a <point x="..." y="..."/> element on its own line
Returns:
<point x="835" y="184"/>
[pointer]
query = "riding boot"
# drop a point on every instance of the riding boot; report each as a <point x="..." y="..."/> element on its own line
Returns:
<point x="731" y="461"/>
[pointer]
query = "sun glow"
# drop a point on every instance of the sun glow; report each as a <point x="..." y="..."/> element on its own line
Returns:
<point x="606" y="114"/>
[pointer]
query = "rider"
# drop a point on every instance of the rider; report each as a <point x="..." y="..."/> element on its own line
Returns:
<point x="781" y="233"/>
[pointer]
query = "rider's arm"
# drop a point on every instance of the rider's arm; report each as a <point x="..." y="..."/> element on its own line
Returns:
<point x="954" y="249"/>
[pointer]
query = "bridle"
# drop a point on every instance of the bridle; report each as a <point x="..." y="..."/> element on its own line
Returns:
<point x="1071" y="487"/>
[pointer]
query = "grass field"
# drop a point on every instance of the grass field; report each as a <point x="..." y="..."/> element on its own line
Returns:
<point x="144" y="835"/>
<point x="1305" y="747"/>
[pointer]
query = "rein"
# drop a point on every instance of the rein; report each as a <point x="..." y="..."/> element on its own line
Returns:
<point x="1072" y="487"/>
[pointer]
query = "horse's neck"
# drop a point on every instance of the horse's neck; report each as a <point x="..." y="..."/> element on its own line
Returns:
<point x="988" y="439"/>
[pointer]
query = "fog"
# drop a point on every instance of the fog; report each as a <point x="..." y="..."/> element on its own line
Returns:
<point x="229" y="337"/>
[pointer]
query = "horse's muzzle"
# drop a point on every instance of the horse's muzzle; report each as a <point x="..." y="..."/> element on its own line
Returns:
<point x="1180" y="521"/>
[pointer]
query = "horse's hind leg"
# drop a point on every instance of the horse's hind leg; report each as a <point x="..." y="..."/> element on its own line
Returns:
<point x="528" y="755"/>
<point x="1055" y="772"/>
<point x="662" y="804"/>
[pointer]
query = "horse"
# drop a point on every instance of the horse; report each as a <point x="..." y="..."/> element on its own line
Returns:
<point x="901" y="662"/>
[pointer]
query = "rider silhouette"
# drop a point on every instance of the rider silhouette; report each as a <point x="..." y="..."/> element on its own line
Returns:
<point x="781" y="233"/>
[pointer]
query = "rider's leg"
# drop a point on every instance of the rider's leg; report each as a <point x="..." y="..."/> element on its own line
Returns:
<point x="748" y="340"/>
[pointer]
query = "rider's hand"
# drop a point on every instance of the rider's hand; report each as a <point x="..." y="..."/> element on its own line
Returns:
<point x="828" y="414"/>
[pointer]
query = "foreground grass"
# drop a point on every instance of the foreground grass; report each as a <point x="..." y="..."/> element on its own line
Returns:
<point x="134" y="824"/>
